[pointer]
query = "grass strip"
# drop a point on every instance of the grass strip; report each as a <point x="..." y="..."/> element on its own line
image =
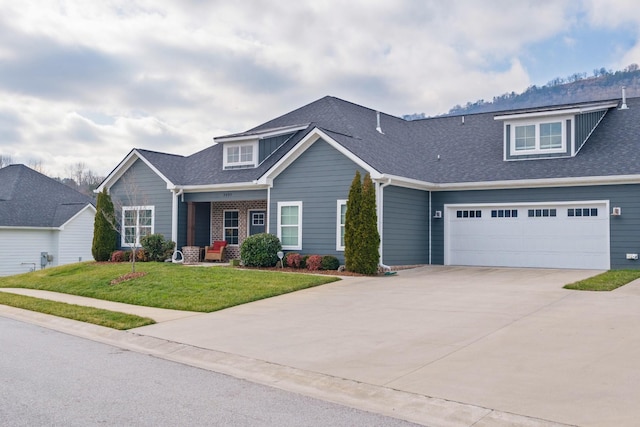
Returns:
<point x="606" y="281"/>
<point x="97" y="316"/>
<point x="166" y="285"/>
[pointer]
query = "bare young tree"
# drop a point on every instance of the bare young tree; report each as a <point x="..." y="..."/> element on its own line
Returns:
<point x="5" y="160"/>
<point x="132" y="215"/>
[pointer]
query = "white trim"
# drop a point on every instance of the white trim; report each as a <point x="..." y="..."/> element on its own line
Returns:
<point x="240" y="164"/>
<point x="537" y="150"/>
<point x="238" y="186"/>
<point x="124" y="165"/>
<point x="339" y="225"/>
<point x="122" y="225"/>
<point x="303" y="145"/>
<point x="267" y="133"/>
<point x="279" y="230"/>
<point x="559" y="112"/>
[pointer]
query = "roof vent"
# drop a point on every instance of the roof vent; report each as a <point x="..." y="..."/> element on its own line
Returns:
<point x="378" y="128"/>
<point x="624" y="99"/>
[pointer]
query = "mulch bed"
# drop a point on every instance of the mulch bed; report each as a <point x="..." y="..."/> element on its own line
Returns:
<point x="128" y="276"/>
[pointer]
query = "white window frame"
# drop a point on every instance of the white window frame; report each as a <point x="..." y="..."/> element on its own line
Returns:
<point x="299" y="225"/>
<point x="253" y="145"/>
<point x="340" y="225"/>
<point x="537" y="150"/>
<point x="225" y="228"/>
<point x="137" y="209"/>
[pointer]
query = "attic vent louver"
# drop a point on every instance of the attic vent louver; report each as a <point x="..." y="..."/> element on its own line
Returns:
<point x="624" y="99"/>
<point x="378" y="128"/>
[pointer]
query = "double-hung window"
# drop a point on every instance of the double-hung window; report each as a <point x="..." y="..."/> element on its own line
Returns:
<point x="231" y="227"/>
<point x="290" y="225"/>
<point x="137" y="222"/>
<point x="341" y="216"/>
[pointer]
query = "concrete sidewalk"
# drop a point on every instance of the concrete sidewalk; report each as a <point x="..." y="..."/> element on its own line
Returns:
<point x="436" y="345"/>
<point x="157" y="314"/>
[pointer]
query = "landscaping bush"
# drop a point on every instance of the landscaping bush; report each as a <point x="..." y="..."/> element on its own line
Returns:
<point x="141" y="255"/>
<point x="117" y="256"/>
<point x="260" y="250"/>
<point x="157" y="248"/>
<point x="303" y="261"/>
<point x="293" y="260"/>
<point x="329" y="262"/>
<point x="314" y="262"/>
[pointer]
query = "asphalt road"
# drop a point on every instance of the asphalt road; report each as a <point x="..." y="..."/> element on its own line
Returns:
<point x="50" y="378"/>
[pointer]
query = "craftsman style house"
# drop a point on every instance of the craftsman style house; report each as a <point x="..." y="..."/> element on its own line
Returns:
<point x="546" y="187"/>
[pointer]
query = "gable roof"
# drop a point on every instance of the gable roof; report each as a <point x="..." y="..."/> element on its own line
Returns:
<point x="440" y="151"/>
<point x="30" y="199"/>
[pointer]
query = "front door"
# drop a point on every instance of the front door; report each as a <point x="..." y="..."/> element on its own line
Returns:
<point x="257" y="221"/>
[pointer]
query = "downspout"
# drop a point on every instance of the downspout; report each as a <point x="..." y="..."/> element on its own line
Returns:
<point x="430" y="226"/>
<point x="380" y="206"/>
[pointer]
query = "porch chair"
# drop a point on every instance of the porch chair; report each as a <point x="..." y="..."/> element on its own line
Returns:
<point x="215" y="252"/>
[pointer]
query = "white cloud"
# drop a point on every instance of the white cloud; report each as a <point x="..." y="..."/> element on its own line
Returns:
<point x="92" y="80"/>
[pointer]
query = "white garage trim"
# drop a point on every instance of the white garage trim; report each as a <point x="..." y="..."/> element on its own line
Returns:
<point x="555" y="240"/>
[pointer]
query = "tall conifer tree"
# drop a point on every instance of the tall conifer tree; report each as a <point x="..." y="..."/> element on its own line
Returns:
<point x="104" y="235"/>
<point x="351" y="223"/>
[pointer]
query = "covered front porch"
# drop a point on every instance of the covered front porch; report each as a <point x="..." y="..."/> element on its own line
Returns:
<point x="228" y="216"/>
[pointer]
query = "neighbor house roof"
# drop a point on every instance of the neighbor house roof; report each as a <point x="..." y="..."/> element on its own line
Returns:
<point x="30" y="199"/>
<point x="440" y="150"/>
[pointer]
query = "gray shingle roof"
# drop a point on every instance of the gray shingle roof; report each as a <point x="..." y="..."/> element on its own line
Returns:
<point x="30" y="199"/>
<point x="468" y="152"/>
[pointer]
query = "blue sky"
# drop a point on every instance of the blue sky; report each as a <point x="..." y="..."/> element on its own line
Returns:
<point x="86" y="82"/>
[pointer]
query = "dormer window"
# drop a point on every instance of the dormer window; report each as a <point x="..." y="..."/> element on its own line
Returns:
<point x="543" y="137"/>
<point x="550" y="133"/>
<point x="237" y="156"/>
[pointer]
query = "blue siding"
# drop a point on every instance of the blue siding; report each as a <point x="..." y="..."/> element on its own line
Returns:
<point x="405" y="226"/>
<point x="140" y="186"/>
<point x="267" y="146"/>
<point x="318" y="178"/>
<point x="624" y="230"/>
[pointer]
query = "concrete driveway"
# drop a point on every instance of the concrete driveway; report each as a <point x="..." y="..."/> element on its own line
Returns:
<point x="507" y="339"/>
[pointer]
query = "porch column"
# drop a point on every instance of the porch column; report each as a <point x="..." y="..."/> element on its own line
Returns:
<point x="191" y="223"/>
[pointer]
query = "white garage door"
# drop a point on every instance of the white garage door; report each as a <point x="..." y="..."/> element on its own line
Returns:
<point x="558" y="235"/>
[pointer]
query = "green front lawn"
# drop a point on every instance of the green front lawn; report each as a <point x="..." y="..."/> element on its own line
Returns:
<point x="166" y="285"/>
<point x="606" y="281"/>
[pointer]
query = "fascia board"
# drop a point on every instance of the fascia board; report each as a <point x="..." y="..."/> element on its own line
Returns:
<point x="303" y="145"/>
<point x="267" y="133"/>
<point x="540" y="183"/>
<point x="237" y="186"/>
<point x="8" y="227"/>
<point x="124" y="165"/>
<point x="558" y="112"/>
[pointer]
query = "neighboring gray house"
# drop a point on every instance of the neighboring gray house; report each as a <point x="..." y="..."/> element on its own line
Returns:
<point x="546" y="187"/>
<point x="39" y="214"/>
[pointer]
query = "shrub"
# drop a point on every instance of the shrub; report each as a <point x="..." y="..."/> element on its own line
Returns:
<point x="329" y="262"/>
<point x="303" y="261"/>
<point x="293" y="260"/>
<point x="141" y="255"/>
<point x="117" y="256"/>
<point x="157" y="248"/>
<point x="104" y="235"/>
<point x="260" y="250"/>
<point x="314" y="262"/>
